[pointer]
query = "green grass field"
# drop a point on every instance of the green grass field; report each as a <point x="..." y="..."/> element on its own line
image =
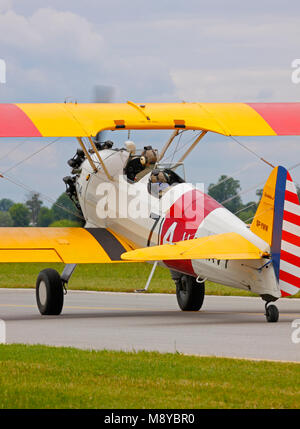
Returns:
<point x="49" y="377"/>
<point x="106" y="277"/>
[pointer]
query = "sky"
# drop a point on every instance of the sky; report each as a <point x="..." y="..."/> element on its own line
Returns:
<point x="159" y="51"/>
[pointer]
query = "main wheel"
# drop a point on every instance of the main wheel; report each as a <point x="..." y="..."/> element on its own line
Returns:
<point x="49" y="292"/>
<point x="272" y="313"/>
<point x="190" y="294"/>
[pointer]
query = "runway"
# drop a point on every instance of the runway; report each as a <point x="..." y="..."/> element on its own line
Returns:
<point x="226" y="326"/>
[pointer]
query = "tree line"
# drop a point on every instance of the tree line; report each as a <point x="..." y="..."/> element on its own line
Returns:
<point x="33" y="212"/>
<point x="64" y="213"/>
<point x="227" y="192"/>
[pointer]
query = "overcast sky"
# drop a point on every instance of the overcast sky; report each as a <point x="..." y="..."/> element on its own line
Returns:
<point x="150" y="51"/>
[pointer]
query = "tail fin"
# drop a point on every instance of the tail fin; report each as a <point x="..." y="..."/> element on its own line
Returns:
<point x="277" y="221"/>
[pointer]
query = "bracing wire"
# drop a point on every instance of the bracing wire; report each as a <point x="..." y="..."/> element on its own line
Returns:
<point x="30" y="156"/>
<point x="245" y="208"/>
<point x="233" y="174"/>
<point x="45" y="197"/>
<point x="27" y="188"/>
<point x="242" y="193"/>
<point x="177" y="149"/>
<point x="250" y="189"/>
<point x="13" y="150"/>
<point x="252" y="151"/>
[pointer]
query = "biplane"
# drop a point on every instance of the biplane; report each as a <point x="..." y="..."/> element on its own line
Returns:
<point x="206" y="243"/>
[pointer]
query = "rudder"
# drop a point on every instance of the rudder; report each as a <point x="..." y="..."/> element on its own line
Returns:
<point x="277" y="221"/>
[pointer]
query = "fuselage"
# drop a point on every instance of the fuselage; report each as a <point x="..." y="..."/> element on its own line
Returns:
<point x="183" y="212"/>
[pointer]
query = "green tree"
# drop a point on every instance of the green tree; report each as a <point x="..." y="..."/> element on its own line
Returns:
<point x="64" y="223"/>
<point x="20" y="214"/>
<point x="248" y="211"/>
<point x="34" y="205"/>
<point x="259" y="192"/>
<point x="5" y="204"/>
<point x="226" y="191"/>
<point x="45" y="217"/>
<point x="5" y="219"/>
<point x="64" y="208"/>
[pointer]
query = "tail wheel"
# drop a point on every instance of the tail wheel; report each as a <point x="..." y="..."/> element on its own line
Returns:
<point x="190" y="294"/>
<point x="49" y="292"/>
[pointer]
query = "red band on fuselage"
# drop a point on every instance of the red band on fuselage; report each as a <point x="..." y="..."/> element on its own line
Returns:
<point x="187" y="212"/>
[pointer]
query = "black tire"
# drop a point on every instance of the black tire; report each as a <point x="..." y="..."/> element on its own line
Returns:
<point x="49" y="292"/>
<point x="190" y="294"/>
<point x="272" y="313"/>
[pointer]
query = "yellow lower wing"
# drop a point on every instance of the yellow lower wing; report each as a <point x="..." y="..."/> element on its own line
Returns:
<point x="68" y="245"/>
<point x="221" y="246"/>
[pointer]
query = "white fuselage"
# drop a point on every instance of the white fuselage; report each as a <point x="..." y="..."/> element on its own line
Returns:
<point x="129" y="210"/>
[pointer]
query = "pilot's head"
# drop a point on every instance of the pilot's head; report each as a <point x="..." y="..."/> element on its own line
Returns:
<point x="162" y="177"/>
<point x="154" y="176"/>
<point x="158" y="176"/>
<point x="148" y="157"/>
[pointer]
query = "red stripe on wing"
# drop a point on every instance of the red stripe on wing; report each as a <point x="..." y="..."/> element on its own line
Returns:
<point x="284" y="118"/>
<point x="14" y="122"/>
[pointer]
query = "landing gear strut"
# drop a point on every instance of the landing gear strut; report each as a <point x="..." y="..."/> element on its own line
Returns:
<point x="272" y="313"/>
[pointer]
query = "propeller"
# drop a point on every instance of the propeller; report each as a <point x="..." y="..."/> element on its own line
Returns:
<point x="102" y="94"/>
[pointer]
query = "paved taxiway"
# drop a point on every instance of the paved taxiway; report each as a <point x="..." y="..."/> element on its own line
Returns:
<point x="226" y="326"/>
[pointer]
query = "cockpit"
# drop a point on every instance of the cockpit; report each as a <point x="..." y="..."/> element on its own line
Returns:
<point x="146" y="162"/>
<point x="164" y="176"/>
<point x="139" y="163"/>
<point x="161" y="175"/>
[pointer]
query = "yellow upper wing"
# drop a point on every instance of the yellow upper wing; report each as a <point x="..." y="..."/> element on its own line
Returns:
<point x="79" y="120"/>
<point x="68" y="245"/>
<point x="221" y="246"/>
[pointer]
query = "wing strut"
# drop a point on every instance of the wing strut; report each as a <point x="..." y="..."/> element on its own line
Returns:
<point x="164" y="149"/>
<point x="192" y="146"/>
<point x="100" y="159"/>
<point x="149" y="278"/>
<point x="87" y="154"/>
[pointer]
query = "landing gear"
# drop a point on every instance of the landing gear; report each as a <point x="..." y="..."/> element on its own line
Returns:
<point x="272" y="313"/>
<point x="50" y="289"/>
<point x="49" y="292"/>
<point x="190" y="293"/>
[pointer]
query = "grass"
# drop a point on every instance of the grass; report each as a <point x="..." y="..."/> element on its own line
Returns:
<point x="49" y="377"/>
<point x="104" y="277"/>
<point x="107" y="277"/>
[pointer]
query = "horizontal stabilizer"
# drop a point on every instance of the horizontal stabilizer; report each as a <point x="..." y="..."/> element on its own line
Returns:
<point x="221" y="246"/>
<point x="68" y="245"/>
